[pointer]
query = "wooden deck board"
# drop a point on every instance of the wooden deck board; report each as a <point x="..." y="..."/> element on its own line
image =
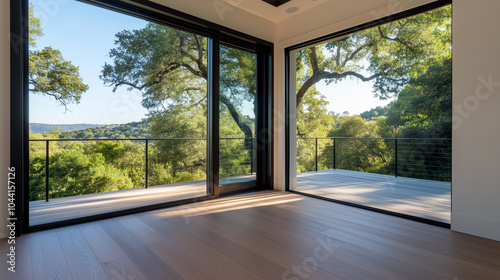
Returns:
<point x="64" y="208"/>
<point x="415" y="197"/>
<point x="261" y="235"/>
<point x="60" y="209"/>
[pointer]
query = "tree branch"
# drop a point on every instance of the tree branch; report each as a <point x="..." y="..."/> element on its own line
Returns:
<point x="236" y="116"/>
<point x="330" y="75"/>
<point x="314" y="60"/>
<point x="354" y="53"/>
<point x="396" y="39"/>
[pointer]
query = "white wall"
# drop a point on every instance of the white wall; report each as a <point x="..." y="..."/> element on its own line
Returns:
<point x="476" y="137"/>
<point x="4" y="110"/>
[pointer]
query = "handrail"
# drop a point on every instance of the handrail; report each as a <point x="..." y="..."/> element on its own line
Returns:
<point x="377" y="138"/>
<point x="240" y="138"/>
<point x="146" y="153"/>
<point x="399" y="148"/>
<point x="114" y="139"/>
<point x="131" y="139"/>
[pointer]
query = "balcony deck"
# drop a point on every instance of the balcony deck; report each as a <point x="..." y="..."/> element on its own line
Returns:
<point x="415" y="197"/>
<point x="65" y="208"/>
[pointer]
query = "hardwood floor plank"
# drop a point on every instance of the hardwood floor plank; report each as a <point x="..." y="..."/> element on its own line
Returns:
<point x="81" y="260"/>
<point x="122" y="269"/>
<point x="269" y="245"/>
<point x="390" y="239"/>
<point x="415" y="233"/>
<point x="47" y="256"/>
<point x="150" y="264"/>
<point x="306" y="240"/>
<point x="169" y="251"/>
<point x="113" y="259"/>
<point x="201" y="249"/>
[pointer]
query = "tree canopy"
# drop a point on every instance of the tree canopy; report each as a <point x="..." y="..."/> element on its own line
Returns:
<point x="170" y="67"/>
<point x="389" y="54"/>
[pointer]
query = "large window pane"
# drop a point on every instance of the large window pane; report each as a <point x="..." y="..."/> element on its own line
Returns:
<point x="117" y="112"/>
<point x="373" y="117"/>
<point x="238" y="88"/>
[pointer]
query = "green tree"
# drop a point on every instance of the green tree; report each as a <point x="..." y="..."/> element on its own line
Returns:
<point x="179" y="122"/>
<point x="170" y="68"/>
<point x="424" y="107"/>
<point x="49" y="73"/>
<point x="362" y="149"/>
<point x="389" y="54"/>
<point x="374" y="113"/>
<point x="313" y="119"/>
<point x="424" y="110"/>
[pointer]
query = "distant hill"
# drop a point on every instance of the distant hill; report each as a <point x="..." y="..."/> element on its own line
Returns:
<point x="46" y="128"/>
<point x="138" y="129"/>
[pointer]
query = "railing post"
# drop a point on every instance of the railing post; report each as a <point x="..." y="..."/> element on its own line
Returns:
<point x="146" y="154"/>
<point x="316" y="154"/>
<point x="47" y="170"/>
<point x="334" y="156"/>
<point x="396" y="157"/>
<point x="251" y="156"/>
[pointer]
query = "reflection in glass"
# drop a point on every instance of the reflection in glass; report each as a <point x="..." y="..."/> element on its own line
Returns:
<point x="237" y="145"/>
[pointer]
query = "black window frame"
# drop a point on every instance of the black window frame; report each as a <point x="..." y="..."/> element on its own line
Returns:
<point x="147" y="10"/>
<point x="288" y="130"/>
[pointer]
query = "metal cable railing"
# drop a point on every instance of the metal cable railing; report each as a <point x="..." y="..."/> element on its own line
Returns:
<point x="238" y="157"/>
<point x="146" y="165"/>
<point x="422" y="158"/>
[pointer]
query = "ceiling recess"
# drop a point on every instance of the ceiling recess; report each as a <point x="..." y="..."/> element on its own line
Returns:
<point x="276" y="3"/>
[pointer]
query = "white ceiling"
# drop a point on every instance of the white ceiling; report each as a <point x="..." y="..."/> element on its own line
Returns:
<point x="274" y="14"/>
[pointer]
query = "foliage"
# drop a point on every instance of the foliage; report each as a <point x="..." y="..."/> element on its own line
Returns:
<point x="423" y="108"/>
<point x="139" y="129"/>
<point x="389" y="54"/>
<point x="374" y="113"/>
<point x="75" y="172"/>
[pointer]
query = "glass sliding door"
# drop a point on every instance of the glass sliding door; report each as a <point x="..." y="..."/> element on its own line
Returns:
<point x="237" y="116"/>
<point x="118" y="113"/>
<point x="370" y="117"/>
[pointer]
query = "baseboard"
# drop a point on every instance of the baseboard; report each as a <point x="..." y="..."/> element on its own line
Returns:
<point x="475" y="225"/>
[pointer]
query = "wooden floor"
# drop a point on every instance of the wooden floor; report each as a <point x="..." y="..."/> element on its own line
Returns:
<point x="415" y="197"/>
<point x="60" y="209"/>
<point x="264" y="235"/>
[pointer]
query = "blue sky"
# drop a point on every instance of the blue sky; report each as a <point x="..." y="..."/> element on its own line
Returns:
<point x="350" y="95"/>
<point x="85" y="34"/>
